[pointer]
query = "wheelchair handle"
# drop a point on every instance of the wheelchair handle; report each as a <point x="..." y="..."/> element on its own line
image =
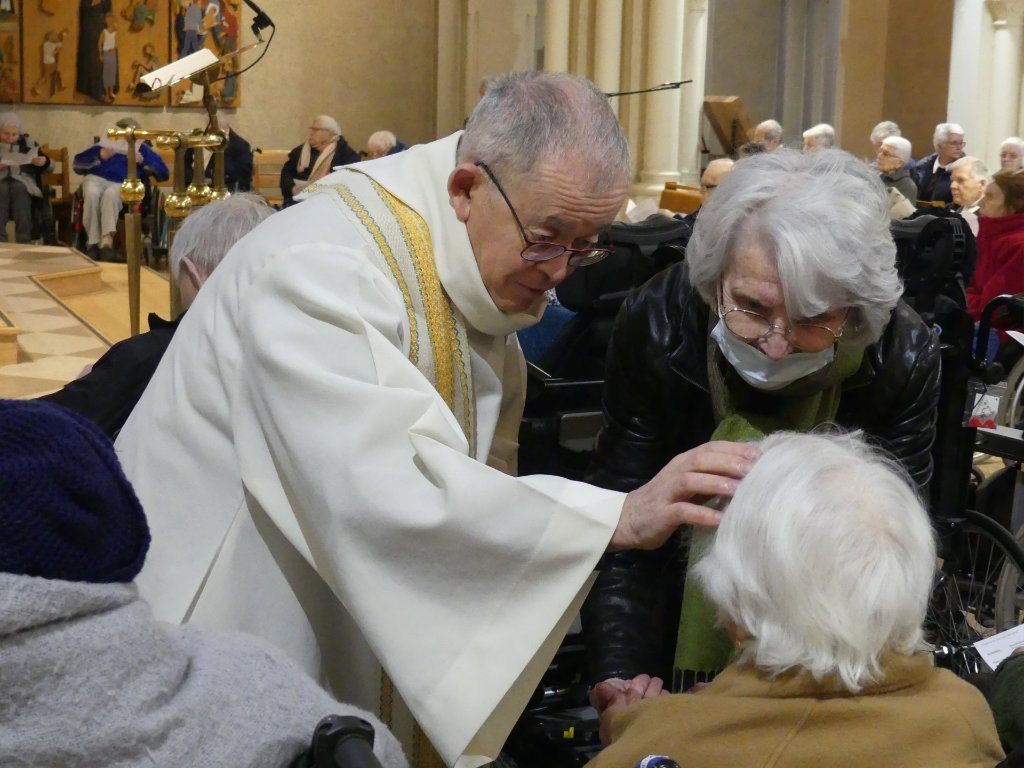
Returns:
<point x="1014" y="305"/>
<point x="343" y="742"/>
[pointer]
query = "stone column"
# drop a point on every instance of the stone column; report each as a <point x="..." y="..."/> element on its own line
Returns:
<point x="661" y="125"/>
<point x="608" y="47"/>
<point x="556" y="35"/>
<point x="691" y="114"/>
<point x="1004" y="90"/>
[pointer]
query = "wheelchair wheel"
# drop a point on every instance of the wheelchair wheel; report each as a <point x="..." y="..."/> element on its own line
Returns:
<point x="978" y="591"/>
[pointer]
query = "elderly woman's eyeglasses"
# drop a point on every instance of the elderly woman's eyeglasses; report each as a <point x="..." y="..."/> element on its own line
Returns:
<point x="751" y="326"/>
<point x="543" y="251"/>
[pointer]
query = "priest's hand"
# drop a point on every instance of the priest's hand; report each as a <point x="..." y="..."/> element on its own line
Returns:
<point x="676" y="496"/>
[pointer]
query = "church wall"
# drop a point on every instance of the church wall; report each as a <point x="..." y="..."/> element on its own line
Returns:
<point x="917" y="65"/>
<point x="368" y="63"/>
<point x="743" y="46"/>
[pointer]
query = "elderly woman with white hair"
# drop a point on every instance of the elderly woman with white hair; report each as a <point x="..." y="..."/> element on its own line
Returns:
<point x="785" y="315"/>
<point x="1011" y="154"/>
<point x="324" y="150"/>
<point x="891" y="160"/>
<point x="821" y="572"/>
<point x="20" y="182"/>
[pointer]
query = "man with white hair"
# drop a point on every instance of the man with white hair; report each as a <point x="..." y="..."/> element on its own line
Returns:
<point x="821" y="572"/>
<point x="820" y="136"/>
<point x="108" y="392"/>
<point x="932" y="172"/>
<point x="769" y="133"/>
<point x="968" y="178"/>
<point x="343" y="402"/>
<point x="323" y="150"/>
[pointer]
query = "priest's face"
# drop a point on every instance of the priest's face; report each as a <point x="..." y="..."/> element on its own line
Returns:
<point x="553" y="205"/>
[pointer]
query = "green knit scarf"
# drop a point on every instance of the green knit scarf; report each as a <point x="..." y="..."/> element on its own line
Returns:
<point x="746" y="414"/>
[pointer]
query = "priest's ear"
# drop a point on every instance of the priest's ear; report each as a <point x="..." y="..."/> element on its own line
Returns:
<point x="464" y="182"/>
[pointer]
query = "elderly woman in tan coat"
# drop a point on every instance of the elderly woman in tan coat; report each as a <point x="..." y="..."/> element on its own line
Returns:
<point x="821" y="570"/>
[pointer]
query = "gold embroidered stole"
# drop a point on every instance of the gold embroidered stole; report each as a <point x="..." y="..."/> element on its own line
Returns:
<point x="438" y="344"/>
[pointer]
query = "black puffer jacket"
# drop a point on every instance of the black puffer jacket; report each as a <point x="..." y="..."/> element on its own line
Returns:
<point x="657" y="405"/>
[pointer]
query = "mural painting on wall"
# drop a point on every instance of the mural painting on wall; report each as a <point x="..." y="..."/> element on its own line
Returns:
<point x="212" y="24"/>
<point x="10" y="52"/>
<point x="95" y="51"/>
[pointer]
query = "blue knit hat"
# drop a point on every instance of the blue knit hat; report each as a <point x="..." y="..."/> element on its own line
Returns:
<point x="66" y="509"/>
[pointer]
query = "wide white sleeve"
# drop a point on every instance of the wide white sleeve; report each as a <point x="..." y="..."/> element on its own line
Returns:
<point x="462" y="578"/>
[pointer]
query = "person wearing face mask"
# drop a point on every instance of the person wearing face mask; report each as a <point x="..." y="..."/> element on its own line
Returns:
<point x="786" y="314"/>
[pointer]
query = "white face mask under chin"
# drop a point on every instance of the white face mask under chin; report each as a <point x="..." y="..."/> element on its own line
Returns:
<point x="759" y="370"/>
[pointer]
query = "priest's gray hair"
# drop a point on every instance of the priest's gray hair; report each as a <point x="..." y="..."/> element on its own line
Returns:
<point x="942" y="132"/>
<point x="328" y="123"/>
<point x="825" y="557"/>
<point x="11" y="120"/>
<point x="206" y="236"/>
<point x="526" y="118"/>
<point x="822" y="218"/>
<point x="976" y="164"/>
<point x="901" y="146"/>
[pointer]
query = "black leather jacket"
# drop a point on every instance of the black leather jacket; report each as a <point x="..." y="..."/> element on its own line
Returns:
<point x="657" y="405"/>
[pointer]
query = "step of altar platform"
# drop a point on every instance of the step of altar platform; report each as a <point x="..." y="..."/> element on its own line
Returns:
<point x="59" y="311"/>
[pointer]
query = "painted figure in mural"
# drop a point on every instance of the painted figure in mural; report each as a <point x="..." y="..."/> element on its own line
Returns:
<point x="139" y="13"/>
<point x="6" y="9"/>
<point x="49" y="77"/>
<point x="108" y="55"/>
<point x="91" y="23"/>
<point x="193" y="21"/>
<point x="144" y="66"/>
<point x="229" y="27"/>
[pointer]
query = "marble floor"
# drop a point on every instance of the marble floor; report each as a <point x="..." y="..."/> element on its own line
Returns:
<point x="67" y="310"/>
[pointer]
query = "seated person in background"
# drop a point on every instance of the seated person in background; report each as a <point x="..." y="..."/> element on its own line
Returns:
<point x="1000" y="267"/>
<point x="1011" y="154"/>
<point x="932" y="172"/>
<point x="237" y="162"/>
<point x="968" y="179"/>
<point x="323" y="150"/>
<point x="109" y="391"/>
<point x="820" y="572"/>
<point x="382" y="143"/>
<point x="891" y="160"/>
<point x="105" y="167"/>
<point x="769" y="133"/>
<point x="717" y="170"/>
<point x="882" y="131"/>
<point x="784" y="316"/>
<point x="1007" y="703"/>
<point x="21" y="182"/>
<point x="820" y="136"/>
<point x="90" y="677"/>
<point x="751" y="148"/>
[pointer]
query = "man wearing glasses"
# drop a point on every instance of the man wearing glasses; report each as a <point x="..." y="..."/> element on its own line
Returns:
<point x="932" y="172"/>
<point x="786" y="315"/>
<point x="342" y="406"/>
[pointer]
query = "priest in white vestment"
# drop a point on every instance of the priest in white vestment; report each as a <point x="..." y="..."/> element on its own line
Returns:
<point x="327" y="450"/>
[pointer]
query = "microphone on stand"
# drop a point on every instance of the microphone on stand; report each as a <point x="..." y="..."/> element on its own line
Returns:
<point x="260" y="22"/>
<point x="662" y="87"/>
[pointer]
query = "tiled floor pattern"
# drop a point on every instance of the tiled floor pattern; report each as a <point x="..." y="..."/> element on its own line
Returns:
<point x="54" y="342"/>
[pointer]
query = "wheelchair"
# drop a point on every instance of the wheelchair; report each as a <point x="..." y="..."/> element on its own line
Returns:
<point x="979" y="582"/>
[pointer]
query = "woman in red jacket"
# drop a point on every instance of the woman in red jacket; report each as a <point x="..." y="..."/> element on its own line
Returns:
<point x="1000" y="242"/>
